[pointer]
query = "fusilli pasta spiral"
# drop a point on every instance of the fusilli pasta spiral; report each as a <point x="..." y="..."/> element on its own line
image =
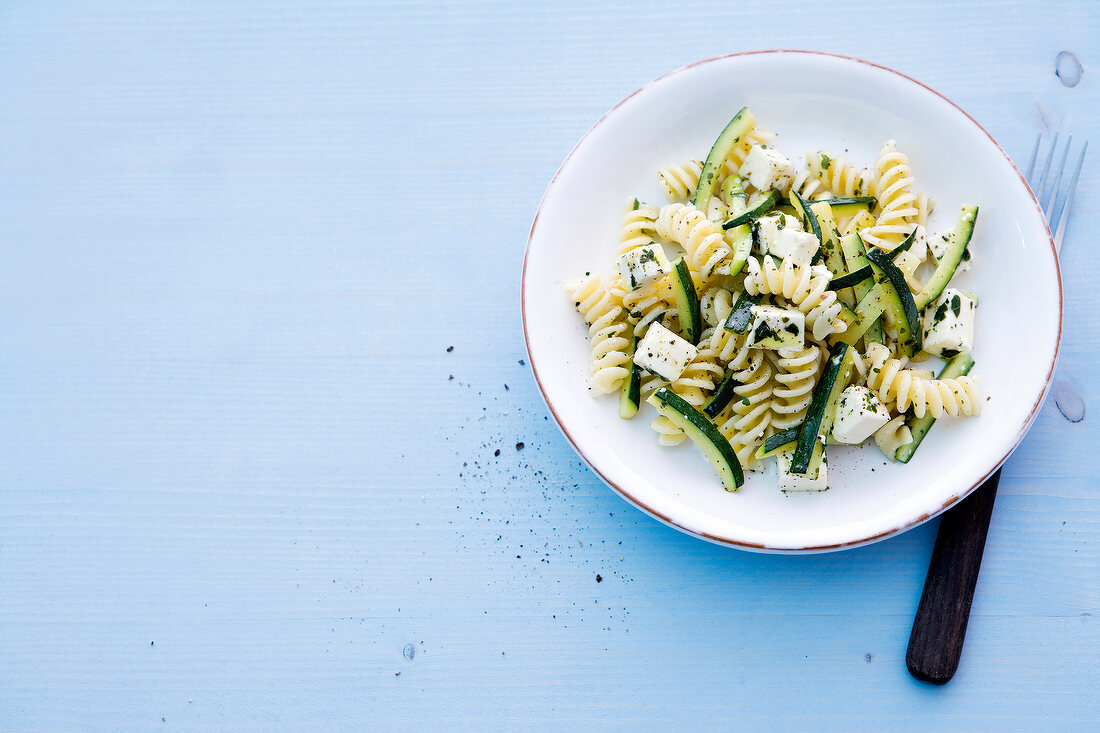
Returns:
<point x="893" y="183"/>
<point x="638" y="227"/>
<point x="680" y="181"/>
<point x="909" y="387"/>
<point x="701" y="238"/>
<point x="806" y="185"/>
<point x="715" y="305"/>
<point x="601" y="304"/>
<point x="839" y="177"/>
<point x="793" y="387"/>
<point x="650" y="303"/>
<point x="803" y="286"/>
<point x="746" y="422"/>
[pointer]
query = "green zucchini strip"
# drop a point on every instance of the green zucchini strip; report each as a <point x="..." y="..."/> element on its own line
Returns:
<point x="702" y="431"/>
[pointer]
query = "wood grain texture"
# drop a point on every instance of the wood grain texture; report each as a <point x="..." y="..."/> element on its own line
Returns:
<point x="239" y="488"/>
<point x="939" y="628"/>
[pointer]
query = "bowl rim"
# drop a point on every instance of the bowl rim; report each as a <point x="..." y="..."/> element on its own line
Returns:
<point x="755" y="546"/>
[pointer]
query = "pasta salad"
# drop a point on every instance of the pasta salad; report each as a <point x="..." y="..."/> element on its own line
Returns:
<point x="770" y="310"/>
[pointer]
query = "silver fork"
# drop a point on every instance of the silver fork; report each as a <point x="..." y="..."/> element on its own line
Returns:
<point x="935" y="644"/>
<point x="1056" y="216"/>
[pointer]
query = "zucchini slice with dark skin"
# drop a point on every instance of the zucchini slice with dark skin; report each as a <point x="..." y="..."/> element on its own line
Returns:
<point x="777" y="442"/>
<point x="737" y="128"/>
<point x="845" y="207"/>
<point x="899" y="301"/>
<point x="903" y="247"/>
<point x="855" y="256"/>
<point x="822" y="410"/>
<point x="863" y="320"/>
<point x="722" y="396"/>
<point x="806" y="215"/>
<point x="817" y="457"/>
<point x="702" y="431"/>
<point x="739" y="238"/>
<point x="957" y="242"/>
<point x="829" y="238"/>
<point x="750" y="215"/>
<point x="865" y="316"/>
<point x="955" y="367"/>
<point x="687" y="301"/>
<point x="787" y="441"/>
<point x="852" y="278"/>
<point x="733" y="194"/>
<point x="740" y="318"/>
<point x="630" y="393"/>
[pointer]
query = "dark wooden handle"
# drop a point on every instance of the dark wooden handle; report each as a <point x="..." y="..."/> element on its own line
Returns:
<point x="936" y="642"/>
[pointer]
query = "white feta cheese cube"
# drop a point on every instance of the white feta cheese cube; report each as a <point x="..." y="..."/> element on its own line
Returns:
<point x="766" y="168"/>
<point x="643" y="265"/>
<point x="664" y="353"/>
<point x="777" y="328"/>
<point x="949" y="324"/>
<point x="859" y="413"/>
<point x="768" y="227"/>
<point x="937" y="244"/>
<point x="800" y="481"/>
<point x="794" y="245"/>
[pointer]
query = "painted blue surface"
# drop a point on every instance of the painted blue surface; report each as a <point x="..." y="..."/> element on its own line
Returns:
<point x="239" y="488"/>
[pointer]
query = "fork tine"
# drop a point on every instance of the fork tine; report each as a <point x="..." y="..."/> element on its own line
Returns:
<point x="1063" y="214"/>
<point x="1048" y="206"/>
<point x="1046" y="169"/>
<point x="1034" y="155"/>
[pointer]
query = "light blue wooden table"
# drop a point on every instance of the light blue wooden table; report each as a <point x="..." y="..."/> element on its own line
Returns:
<point x="240" y="489"/>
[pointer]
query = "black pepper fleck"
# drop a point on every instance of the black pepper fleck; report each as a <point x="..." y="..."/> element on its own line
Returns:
<point x="450" y="349"/>
<point x="599" y="578"/>
<point x="519" y="446"/>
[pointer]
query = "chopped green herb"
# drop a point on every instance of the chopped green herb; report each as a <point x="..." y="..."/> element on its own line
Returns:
<point x="763" y="331"/>
<point x="941" y="313"/>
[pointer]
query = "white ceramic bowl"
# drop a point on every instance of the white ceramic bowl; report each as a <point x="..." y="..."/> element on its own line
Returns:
<point x="812" y="101"/>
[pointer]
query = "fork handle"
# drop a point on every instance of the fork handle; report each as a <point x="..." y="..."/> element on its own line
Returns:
<point x="939" y="628"/>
